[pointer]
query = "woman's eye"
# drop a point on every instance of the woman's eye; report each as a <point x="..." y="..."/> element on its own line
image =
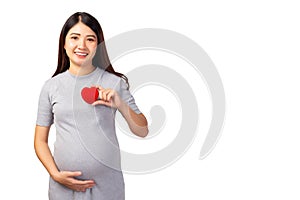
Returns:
<point x="74" y="38"/>
<point x="91" y="39"/>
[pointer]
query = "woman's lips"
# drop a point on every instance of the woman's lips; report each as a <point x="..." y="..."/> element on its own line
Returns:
<point x="81" y="54"/>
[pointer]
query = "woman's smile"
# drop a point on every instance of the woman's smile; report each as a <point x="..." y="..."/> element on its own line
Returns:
<point x="81" y="45"/>
<point x="81" y="54"/>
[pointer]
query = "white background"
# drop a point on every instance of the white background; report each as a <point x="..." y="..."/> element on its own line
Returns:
<point x="255" y="46"/>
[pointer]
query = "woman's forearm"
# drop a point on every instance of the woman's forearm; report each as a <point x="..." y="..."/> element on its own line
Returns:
<point x="136" y="122"/>
<point x="43" y="151"/>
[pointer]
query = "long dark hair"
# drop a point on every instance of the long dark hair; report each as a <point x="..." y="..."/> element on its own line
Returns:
<point x="100" y="59"/>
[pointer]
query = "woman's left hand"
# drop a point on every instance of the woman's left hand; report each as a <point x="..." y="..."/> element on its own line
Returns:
<point x="136" y="122"/>
<point x="109" y="97"/>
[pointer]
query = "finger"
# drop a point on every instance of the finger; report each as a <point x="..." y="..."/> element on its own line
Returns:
<point x="100" y="94"/>
<point x="90" y="185"/>
<point x="84" y="183"/>
<point x="72" y="174"/>
<point x="99" y="102"/>
<point x="89" y="182"/>
<point x="99" y="87"/>
<point x="104" y="94"/>
<point x="109" y="96"/>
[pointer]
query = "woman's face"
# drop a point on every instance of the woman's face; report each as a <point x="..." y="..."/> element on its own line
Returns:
<point x="81" y="45"/>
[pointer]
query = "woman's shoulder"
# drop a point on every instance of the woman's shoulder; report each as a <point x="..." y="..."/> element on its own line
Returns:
<point x="54" y="81"/>
<point x="107" y="76"/>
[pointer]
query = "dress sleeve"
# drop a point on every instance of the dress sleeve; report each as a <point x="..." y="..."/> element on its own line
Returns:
<point x="45" y="114"/>
<point x="127" y="97"/>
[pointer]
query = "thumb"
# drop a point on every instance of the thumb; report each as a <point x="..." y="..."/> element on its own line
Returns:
<point x="72" y="174"/>
<point x="100" y="102"/>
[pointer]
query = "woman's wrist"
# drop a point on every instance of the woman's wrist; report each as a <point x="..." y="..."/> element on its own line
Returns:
<point x="55" y="175"/>
<point x="123" y="108"/>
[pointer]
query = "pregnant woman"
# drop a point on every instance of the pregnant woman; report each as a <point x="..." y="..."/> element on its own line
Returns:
<point x="86" y="160"/>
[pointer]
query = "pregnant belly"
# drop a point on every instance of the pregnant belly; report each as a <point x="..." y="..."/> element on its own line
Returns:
<point x="72" y="156"/>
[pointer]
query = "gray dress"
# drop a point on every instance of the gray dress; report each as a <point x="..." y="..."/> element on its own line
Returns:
<point x="85" y="135"/>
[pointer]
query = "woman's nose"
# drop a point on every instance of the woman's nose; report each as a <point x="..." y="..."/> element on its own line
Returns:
<point x="81" y="43"/>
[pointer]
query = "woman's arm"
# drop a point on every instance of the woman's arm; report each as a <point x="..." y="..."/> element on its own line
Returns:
<point x="45" y="156"/>
<point x="42" y="149"/>
<point x="136" y="122"/>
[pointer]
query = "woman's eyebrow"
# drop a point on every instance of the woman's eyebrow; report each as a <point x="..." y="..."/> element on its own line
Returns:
<point x="86" y="36"/>
<point x="74" y="34"/>
<point x="91" y="36"/>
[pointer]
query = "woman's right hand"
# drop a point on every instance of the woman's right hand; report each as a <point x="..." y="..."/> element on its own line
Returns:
<point x="67" y="178"/>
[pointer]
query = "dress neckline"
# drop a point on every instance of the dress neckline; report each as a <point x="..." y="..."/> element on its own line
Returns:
<point x="83" y="76"/>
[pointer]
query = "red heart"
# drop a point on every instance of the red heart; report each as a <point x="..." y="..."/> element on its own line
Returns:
<point x="90" y="95"/>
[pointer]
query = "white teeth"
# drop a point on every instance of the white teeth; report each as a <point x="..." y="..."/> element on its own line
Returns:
<point x="81" y="54"/>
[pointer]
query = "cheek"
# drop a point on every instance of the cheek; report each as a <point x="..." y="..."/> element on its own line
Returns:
<point x="69" y="45"/>
<point x="93" y="48"/>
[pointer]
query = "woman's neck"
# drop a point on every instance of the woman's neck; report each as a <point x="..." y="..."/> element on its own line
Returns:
<point x="81" y="70"/>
